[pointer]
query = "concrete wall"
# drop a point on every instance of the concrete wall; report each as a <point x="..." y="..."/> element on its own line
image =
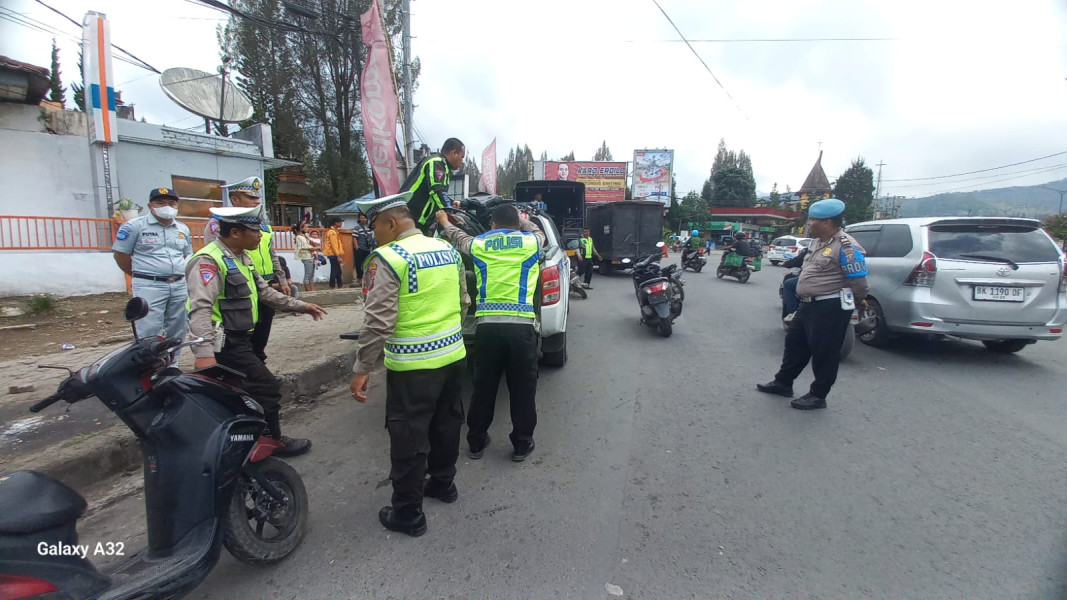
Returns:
<point x="60" y="273"/>
<point x="41" y="173"/>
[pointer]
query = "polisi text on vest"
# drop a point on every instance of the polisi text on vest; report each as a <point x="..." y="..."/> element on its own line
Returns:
<point x="503" y="243"/>
<point x="424" y="260"/>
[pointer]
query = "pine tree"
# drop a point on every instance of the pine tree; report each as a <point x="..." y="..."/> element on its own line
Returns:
<point x="58" y="94"/>
<point x="602" y="153"/>
<point x="568" y="157"/>
<point x="78" y="89"/>
<point x="855" y="187"/>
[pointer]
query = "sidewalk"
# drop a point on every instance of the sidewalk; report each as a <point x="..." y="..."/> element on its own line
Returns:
<point x="84" y="443"/>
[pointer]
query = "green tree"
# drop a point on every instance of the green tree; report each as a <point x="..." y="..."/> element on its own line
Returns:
<point x="568" y="157"/>
<point x="732" y="182"/>
<point x="602" y="153"/>
<point x="1056" y="226"/>
<point x="77" y="88"/>
<point x="707" y="191"/>
<point x="775" y="197"/>
<point x="544" y="155"/>
<point x="855" y="187"/>
<point x="54" y="82"/>
<point x="474" y="174"/>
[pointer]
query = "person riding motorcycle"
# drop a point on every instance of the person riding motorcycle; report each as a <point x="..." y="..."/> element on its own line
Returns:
<point x="740" y="246"/>
<point x="693" y="245"/>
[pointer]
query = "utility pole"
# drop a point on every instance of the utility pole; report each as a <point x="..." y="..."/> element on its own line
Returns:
<point x="409" y="139"/>
<point x="878" y="188"/>
<point x="1060" y="192"/>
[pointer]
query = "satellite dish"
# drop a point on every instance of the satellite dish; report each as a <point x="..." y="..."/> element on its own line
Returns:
<point x="206" y="94"/>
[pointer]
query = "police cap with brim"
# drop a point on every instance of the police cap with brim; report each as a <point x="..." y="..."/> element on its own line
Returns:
<point x="252" y="186"/>
<point x="826" y="209"/>
<point x="249" y="217"/>
<point x="373" y="208"/>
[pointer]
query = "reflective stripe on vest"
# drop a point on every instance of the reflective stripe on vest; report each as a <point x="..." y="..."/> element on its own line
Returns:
<point x="429" y="328"/>
<point x="239" y="294"/>
<point x="587" y="247"/>
<point x="261" y="255"/>
<point x="507" y="263"/>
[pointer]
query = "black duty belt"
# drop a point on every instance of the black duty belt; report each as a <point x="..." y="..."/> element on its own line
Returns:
<point x="168" y="279"/>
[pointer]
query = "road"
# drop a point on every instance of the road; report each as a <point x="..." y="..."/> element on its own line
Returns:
<point x="936" y="472"/>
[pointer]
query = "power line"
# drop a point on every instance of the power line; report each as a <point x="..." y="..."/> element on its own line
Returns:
<point x="774" y="40"/>
<point x="1022" y="173"/>
<point x="142" y="64"/>
<point x="956" y="189"/>
<point x="980" y="170"/>
<point x="693" y="50"/>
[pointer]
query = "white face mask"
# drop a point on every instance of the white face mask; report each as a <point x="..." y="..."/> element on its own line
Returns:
<point x="165" y="212"/>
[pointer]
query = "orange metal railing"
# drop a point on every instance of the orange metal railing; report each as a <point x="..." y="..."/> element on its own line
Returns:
<point x="56" y="233"/>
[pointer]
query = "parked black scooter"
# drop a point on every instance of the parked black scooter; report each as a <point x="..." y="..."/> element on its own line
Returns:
<point x="659" y="292"/>
<point x="209" y="482"/>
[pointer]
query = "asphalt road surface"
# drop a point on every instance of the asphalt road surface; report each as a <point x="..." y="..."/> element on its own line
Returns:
<point x="936" y="472"/>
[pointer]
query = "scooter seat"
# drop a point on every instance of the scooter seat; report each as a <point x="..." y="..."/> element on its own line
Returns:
<point x="32" y="501"/>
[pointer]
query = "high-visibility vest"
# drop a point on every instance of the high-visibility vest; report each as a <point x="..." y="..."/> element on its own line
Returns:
<point x="429" y="324"/>
<point x="507" y="263"/>
<point x="239" y="296"/>
<point x="261" y="255"/>
<point x="586" y="245"/>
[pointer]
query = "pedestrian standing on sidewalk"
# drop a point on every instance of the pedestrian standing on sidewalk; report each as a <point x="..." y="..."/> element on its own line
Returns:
<point x="413" y="314"/>
<point x="225" y="294"/>
<point x="362" y="243"/>
<point x="508" y="261"/>
<point x="832" y="282"/>
<point x="586" y="252"/>
<point x="333" y="251"/>
<point x="305" y="253"/>
<point x="247" y="194"/>
<point x="152" y="250"/>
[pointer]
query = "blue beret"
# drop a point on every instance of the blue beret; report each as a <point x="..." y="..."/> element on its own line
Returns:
<point x="826" y="209"/>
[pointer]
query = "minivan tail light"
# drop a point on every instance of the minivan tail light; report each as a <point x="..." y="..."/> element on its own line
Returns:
<point x="550" y="285"/>
<point x="17" y="587"/>
<point x="923" y="274"/>
<point x="1063" y="276"/>
<point x="792" y="248"/>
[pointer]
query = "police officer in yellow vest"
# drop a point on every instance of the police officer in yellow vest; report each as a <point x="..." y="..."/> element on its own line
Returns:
<point x="246" y="194"/>
<point x="586" y="252"/>
<point x="225" y="296"/>
<point x="413" y="314"/>
<point x="428" y="182"/>
<point x="507" y="261"/>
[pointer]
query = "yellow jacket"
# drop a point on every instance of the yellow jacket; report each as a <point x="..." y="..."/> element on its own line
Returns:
<point x="332" y="247"/>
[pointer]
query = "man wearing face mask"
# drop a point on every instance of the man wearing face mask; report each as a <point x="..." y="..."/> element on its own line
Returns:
<point x="428" y="182"/>
<point x="246" y="194"/>
<point x="152" y="250"/>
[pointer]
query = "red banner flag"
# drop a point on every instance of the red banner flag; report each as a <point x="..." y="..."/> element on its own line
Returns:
<point x="487" y="182"/>
<point x="379" y="104"/>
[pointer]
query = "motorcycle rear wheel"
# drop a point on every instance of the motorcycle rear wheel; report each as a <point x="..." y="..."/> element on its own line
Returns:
<point x="257" y="529"/>
<point x="743" y="277"/>
<point x="578" y="289"/>
<point x="665" y="328"/>
<point x="720" y="272"/>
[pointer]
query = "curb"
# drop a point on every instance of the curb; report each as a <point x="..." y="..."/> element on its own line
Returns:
<point x="115" y="450"/>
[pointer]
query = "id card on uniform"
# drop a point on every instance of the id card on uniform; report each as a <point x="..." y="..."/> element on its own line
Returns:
<point x="848" y="301"/>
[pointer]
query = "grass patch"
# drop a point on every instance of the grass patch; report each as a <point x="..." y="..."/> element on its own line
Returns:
<point x="78" y="439"/>
<point x="42" y="304"/>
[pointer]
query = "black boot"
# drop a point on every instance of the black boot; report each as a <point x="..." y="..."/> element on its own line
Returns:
<point x="445" y="493"/>
<point x="776" y="387"/>
<point x="290" y="446"/>
<point x="409" y="520"/>
<point x="808" y="401"/>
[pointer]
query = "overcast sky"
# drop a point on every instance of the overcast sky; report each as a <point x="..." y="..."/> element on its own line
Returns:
<point x="958" y="86"/>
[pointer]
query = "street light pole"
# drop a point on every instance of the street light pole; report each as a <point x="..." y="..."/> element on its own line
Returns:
<point x="1060" y="192"/>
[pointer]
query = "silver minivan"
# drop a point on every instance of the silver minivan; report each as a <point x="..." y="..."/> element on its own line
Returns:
<point x="997" y="280"/>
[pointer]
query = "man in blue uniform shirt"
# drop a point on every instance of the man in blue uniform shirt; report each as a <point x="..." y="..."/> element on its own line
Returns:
<point x="153" y="249"/>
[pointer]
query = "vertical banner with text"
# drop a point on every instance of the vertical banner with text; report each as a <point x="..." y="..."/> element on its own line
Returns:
<point x="487" y="182"/>
<point x="379" y="104"/>
<point x="604" y="181"/>
<point x="652" y="175"/>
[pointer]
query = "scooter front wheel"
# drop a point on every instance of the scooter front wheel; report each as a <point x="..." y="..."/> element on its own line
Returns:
<point x="258" y="529"/>
<point x="719" y="272"/>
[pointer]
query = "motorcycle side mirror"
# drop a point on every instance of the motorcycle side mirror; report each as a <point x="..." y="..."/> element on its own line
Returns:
<point x="660" y="244"/>
<point x="136" y="309"/>
<point x="625" y="261"/>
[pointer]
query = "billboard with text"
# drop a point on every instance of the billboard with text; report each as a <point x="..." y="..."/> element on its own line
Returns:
<point x="604" y="181"/>
<point x="652" y="175"/>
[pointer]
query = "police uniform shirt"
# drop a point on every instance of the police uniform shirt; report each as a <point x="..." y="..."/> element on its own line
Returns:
<point x="211" y="233"/>
<point x="833" y="265"/>
<point x="155" y="249"/>
<point x="381" y="308"/>
<point x="205" y="283"/>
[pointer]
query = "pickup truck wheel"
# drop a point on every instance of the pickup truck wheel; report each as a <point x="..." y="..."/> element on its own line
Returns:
<point x="557" y="358"/>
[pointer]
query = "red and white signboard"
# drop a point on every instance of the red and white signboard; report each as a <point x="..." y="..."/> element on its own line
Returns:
<point x="487" y="182"/>
<point x="604" y="181"/>
<point x="379" y="104"/>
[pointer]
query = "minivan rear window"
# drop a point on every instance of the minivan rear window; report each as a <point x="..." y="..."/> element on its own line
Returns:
<point x="1017" y="243"/>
